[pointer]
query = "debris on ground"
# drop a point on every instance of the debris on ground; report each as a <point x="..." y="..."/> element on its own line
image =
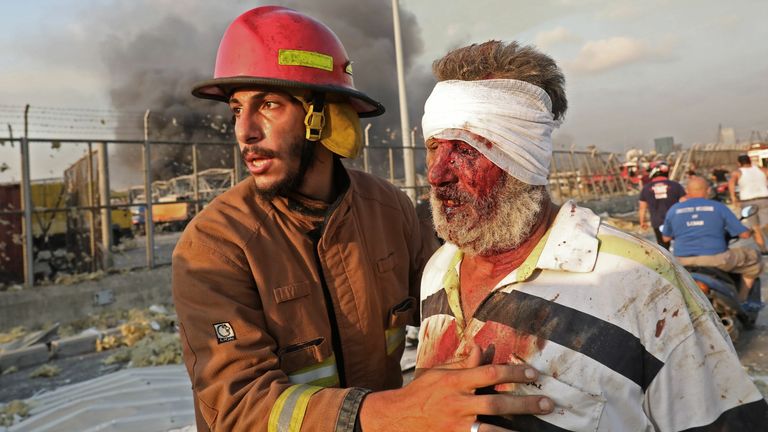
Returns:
<point x="10" y="370"/>
<point x="155" y="349"/>
<point x="71" y="279"/>
<point x="13" y="412"/>
<point x="11" y="287"/>
<point x="45" y="371"/>
<point x="13" y="334"/>
<point x="22" y="338"/>
<point x="117" y="318"/>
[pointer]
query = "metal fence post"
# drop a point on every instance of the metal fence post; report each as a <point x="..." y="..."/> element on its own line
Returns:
<point x="195" y="183"/>
<point x="91" y="211"/>
<point x="149" y="226"/>
<point x="366" y="165"/>
<point x="236" y="163"/>
<point x="26" y="197"/>
<point x="105" y="201"/>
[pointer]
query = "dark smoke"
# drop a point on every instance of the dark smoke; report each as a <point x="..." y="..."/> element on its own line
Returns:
<point x="156" y="69"/>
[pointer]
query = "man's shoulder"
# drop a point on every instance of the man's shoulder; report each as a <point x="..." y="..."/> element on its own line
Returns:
<point x="232" y="216"/>
<point x="636" y="250"/>
<point x="373" y="188"/>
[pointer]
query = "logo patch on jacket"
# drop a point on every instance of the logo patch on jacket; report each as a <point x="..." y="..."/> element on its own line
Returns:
<point x="224" y="332"/>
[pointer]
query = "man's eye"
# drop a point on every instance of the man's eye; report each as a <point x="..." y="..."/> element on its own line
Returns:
<point x="236" y="111"/>
<point x="467" y="151"/>
<point x="270" y="104"/>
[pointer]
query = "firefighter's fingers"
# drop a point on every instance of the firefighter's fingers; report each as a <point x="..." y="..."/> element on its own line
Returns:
<point x="508" y="404"/>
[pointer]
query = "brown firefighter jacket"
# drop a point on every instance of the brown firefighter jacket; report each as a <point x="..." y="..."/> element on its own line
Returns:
<point x="252" y="285"/>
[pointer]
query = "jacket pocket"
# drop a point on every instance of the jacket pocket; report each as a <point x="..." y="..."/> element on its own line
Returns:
<point x="399" y="315"/>
<point x="311" y="362"/>
<point x="386" y="264"/>
<point x="293" y="291"/>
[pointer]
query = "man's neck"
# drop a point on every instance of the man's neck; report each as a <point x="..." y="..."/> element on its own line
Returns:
<point x="481" y="273"/>
<point x="318" y="183"/>
<point x="502" y="262"/>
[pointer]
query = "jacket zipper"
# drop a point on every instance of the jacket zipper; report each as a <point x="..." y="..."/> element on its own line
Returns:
<point x="335" y="335"/>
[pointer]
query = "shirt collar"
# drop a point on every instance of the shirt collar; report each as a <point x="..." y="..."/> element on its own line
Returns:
<point x="570" y="244"/>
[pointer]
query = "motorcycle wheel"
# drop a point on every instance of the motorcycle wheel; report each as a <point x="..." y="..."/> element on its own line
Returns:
<point x="732" y="326"/>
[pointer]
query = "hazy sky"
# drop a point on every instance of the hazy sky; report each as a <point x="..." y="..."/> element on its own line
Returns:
<point x="635" y="70"/>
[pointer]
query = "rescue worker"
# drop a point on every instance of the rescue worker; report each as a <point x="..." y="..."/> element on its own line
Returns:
<point x="622" y="336"/>
<point x="752" y="183"/>
<point x="657" y="197"/>
<point x="293" y="288"/>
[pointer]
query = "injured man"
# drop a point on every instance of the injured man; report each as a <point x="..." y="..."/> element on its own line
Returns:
<point x="623" y="338"/>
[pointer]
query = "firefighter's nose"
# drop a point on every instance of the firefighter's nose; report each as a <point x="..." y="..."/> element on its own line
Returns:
<point x="248" y="129"/>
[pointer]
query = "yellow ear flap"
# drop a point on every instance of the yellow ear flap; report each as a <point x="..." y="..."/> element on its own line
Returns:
<point x="342" y="133"/>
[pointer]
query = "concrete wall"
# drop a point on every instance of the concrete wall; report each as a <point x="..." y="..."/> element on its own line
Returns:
<point x="36" y="306"/>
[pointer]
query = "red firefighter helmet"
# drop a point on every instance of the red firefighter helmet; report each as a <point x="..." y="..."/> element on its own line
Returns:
<point x="277" y="46"/>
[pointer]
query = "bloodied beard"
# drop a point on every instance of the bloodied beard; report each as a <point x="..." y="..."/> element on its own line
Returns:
<point x="300" y="149"/>
<point x="499" y="221"/>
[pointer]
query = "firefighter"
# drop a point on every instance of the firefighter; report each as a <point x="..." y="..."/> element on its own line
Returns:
<point x="294" y="287"/>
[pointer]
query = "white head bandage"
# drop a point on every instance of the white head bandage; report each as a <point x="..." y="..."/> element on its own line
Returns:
<point x="515" y="116"/>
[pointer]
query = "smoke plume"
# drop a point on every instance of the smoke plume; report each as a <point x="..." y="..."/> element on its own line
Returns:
<point x="156" y="67"/>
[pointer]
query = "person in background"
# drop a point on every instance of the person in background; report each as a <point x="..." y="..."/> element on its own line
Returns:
<point x="699" y="227"/>
<point x="752" y="184"/>
<point x="622" y="336"/>
<point x="656" y="198"/>
<point x="293" y="288"/>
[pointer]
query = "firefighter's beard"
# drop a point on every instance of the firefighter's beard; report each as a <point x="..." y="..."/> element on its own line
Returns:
<point x="488" y="225"/>
<point x="293" y="178"/>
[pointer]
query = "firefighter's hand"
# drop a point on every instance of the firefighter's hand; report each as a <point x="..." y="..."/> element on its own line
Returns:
<point x="443" y="399"/>
<point x="644" y="225"/>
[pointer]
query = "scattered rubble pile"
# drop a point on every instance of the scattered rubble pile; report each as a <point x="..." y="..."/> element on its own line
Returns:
<point x="137" y="337"/>
<point x="141" y="337"/>
<point x="13" y="412"/>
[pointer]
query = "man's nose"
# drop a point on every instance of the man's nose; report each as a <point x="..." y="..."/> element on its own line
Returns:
<point x="440" y="169"/>
<point x="248" y="128"/>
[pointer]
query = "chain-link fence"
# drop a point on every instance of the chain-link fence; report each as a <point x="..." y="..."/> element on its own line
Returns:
<point x="92" y="213"/>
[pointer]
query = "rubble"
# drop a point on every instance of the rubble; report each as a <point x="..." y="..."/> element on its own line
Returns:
<point x="154" y="350"/>
<point x="13" y="412"/>
<point x="45" y="371"/>
<point x="121" y="329"/>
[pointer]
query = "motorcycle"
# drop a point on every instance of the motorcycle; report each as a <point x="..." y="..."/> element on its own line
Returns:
<point x="722" y="288"/>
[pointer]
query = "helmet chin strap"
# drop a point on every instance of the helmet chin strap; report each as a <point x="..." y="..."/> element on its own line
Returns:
<point x="315" y="118"/>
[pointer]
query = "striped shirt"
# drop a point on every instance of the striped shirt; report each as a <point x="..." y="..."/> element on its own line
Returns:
<point x="622" y="336"/>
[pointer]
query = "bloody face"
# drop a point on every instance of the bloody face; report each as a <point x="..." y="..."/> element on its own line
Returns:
<point x="462" y="179"/>
<point x="475" y="204"/>
<point x="269" y="127"/>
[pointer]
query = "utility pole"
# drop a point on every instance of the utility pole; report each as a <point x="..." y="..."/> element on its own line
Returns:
<point x="405" y="127"/>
